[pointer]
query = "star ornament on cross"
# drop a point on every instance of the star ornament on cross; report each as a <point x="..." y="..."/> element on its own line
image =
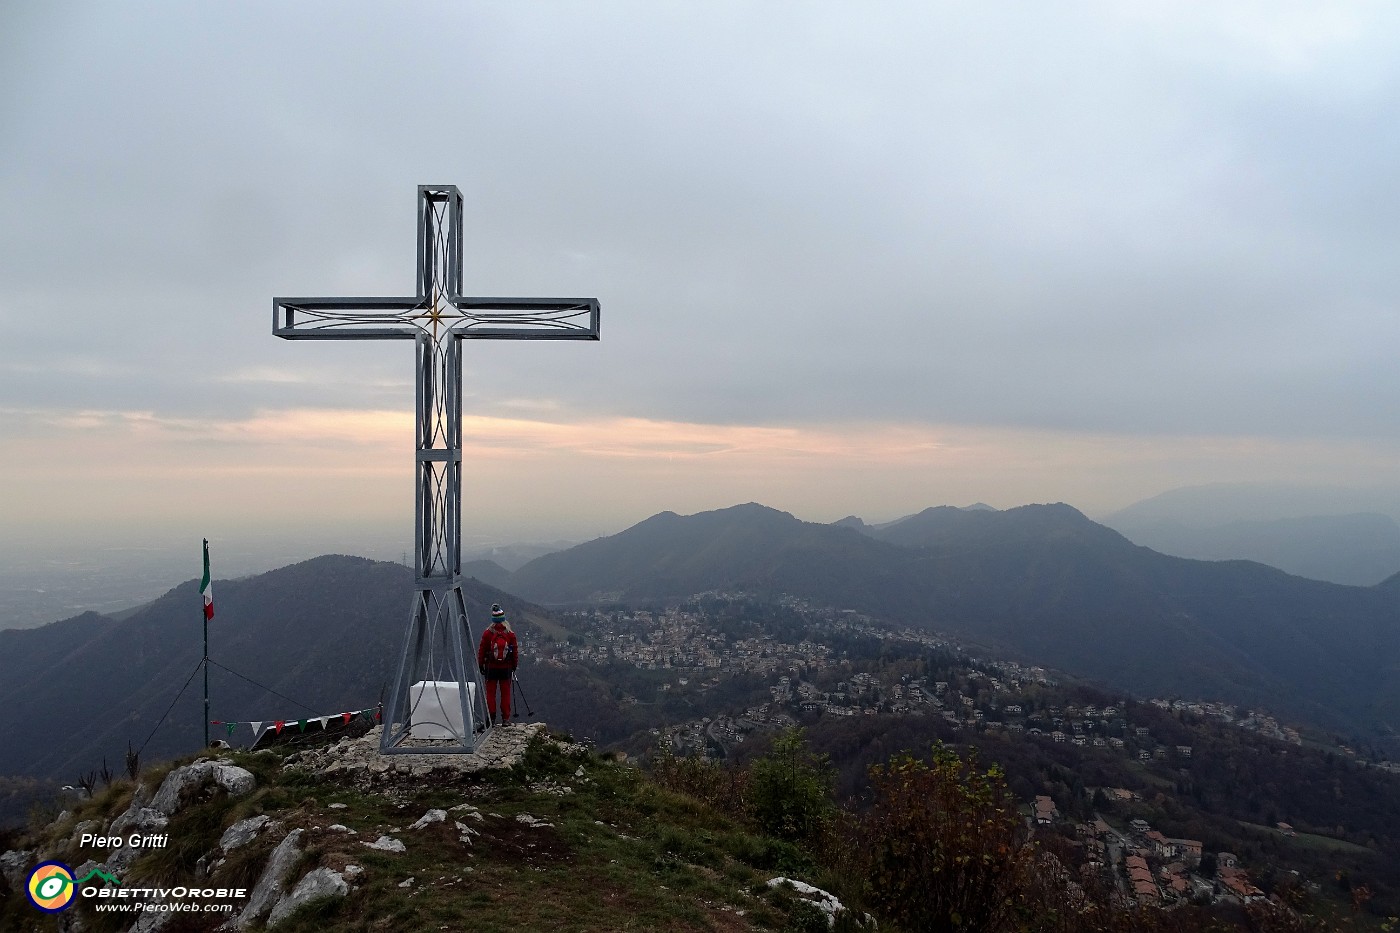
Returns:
<point x="435" y="315"/>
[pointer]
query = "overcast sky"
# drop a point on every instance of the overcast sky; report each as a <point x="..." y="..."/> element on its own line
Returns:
<point x="852" y="258"/>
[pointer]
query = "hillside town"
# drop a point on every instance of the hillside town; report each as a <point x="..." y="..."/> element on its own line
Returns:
<point x="809" y="676"/>
<point x="981" y="694"/>
<point x="1148" y="869"/>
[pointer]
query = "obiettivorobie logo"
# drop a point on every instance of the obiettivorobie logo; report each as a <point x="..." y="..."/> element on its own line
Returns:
<point x="52" y="887"/>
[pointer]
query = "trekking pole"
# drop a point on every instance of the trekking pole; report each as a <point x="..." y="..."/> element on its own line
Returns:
<point x="523" y="698"/>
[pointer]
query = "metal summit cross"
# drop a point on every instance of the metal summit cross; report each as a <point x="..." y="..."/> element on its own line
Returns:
<point x="436" y="694"/>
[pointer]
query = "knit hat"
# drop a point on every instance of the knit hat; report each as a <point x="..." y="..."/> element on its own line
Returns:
<point x="497" y="613"/>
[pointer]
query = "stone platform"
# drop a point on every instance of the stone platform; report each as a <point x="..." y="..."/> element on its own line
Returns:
<point x="500" y="747"/>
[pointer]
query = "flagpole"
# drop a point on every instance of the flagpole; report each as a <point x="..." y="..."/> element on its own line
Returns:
<point x="204" y="613"/>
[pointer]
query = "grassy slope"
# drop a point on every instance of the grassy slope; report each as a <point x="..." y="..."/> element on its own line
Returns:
<point x="622" y="853"/>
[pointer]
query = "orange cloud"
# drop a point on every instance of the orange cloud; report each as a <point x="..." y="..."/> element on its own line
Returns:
<point x="603" y="473"/>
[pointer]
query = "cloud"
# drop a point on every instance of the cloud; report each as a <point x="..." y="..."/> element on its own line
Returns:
<point x="920" y="234"/>
<point x="523" y="478"/>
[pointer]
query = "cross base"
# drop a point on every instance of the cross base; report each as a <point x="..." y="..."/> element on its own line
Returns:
<point x="436" y="696"/>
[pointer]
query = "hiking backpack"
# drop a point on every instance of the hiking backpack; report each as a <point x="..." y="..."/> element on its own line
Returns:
<point x="499" y="651"/>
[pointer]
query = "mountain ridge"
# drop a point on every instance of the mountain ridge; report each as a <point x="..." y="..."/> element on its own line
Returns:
<point x="1041" y="582"/>
<point x="323" y="633"/>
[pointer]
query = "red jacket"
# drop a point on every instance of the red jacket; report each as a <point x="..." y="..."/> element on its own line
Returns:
<point x="498" y="650"/>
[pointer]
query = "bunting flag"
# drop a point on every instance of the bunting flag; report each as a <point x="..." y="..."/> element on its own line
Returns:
<point x="206" y="586"/>
<point x="371" y="714"/>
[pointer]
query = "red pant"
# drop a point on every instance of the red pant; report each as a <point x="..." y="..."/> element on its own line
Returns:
<point x="491" y="685"/>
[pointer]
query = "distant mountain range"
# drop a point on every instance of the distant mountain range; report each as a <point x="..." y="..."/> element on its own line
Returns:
<point x="1358" y="550"/>
<point x="1040" y="582"/>
<point x="1337" y="534"/>
<point x="1226" y="503"/>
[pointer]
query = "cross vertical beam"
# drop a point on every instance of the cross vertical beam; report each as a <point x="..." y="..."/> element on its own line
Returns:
<point x="433" y="680"/>
<point x="438" y="482"/>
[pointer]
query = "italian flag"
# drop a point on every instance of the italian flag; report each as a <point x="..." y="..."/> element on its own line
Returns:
<point x="206" y="586"/>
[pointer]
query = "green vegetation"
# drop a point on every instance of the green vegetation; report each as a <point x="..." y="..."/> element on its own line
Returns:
<point x="568" y="840"/>
<point x="941" y="845"/>
<point x="790" y="790"/>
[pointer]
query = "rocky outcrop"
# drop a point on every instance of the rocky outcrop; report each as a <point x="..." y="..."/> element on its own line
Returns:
<point x="829" y="904"/>
<point x="427" y="819"/>
<point x="138" y="816"/>
<point x="385" y="844"/>
<point x="242" y="832"/>
<point x="271" y="885"/>
<point x="183" y="783"/>
<point x="317" y="884"/>
<point x="275" y="844"/>
<point x="150" y="813"/>
<point x="14" y="867"/>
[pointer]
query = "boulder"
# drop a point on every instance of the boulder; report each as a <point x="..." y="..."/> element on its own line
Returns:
<point x="121" y="859"/>
<point x="317" y="884"/>
<point x="137" y="816"/>
<point x="824" y="901"/>
<point x="432" y="816"/>
<point x="237" y="781"/>
<point x="83" y="826"/>
<point x="242" y="832"/>
<point x="184" y="782"/>
<point x="138" y="819"/>
<point x="385" y="844"/>
<point x="14" y="866"/>
<point x="268" y="891"/>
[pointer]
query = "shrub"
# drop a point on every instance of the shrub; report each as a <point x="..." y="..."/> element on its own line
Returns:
<point x="725" y="789"/>
<point x="944" y="847"/>
<point x="790" y="789"/>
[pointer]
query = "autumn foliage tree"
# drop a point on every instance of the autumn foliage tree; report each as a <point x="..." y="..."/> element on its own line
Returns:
<point x="944" y="847"/>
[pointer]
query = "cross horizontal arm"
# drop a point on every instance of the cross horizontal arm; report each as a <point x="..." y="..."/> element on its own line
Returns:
<point x="345" y="318"/>
<point x="405" y="318"/>
<point x="526" y="318"/>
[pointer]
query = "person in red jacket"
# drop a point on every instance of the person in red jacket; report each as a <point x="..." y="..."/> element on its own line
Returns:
<point x="496" y="658"/>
